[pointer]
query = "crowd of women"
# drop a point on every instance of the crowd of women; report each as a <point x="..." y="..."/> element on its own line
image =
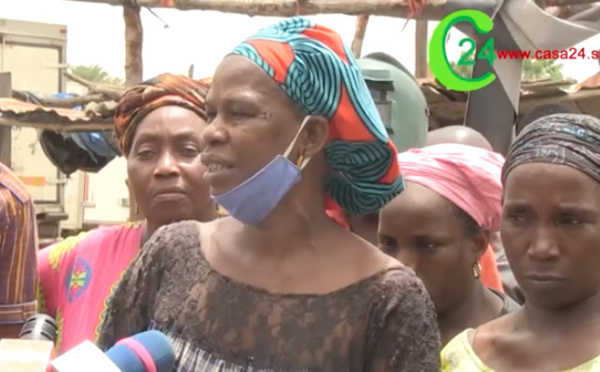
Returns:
<point x="287" y="140"/>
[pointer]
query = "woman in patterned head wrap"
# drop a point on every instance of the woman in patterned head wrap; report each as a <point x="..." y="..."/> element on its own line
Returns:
<point x="279" y="286"/>
<point x="550" y="231"/>
<point x="158" y="125"/>
<point x="440" y="226"/>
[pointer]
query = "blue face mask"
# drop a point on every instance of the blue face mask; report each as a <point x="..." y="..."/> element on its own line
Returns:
<point x="251" y="201"/>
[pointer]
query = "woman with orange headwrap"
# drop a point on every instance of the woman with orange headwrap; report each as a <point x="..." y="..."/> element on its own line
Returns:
<point x="158" y="125"/>
<point x="278" y="285"/>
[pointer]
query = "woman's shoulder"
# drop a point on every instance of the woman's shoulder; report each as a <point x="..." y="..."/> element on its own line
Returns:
<point x="60" y="252"/>
<point x="397" y="281"/>
<point x="174" y="240"/>
<point x="182" y="232"/>
<point x="397" y="290"/>
<point x="458" y="355"/>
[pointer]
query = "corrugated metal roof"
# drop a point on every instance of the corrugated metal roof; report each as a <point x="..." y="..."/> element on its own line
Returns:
<point x="15" y="112"/>
<point x="447" y="107"/>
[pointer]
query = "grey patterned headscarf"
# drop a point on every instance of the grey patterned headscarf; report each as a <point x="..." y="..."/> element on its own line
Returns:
<point x="566" y="139"/>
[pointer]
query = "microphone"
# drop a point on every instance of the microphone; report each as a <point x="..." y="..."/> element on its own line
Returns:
<point x="33" y="350"/>
<point x="39" y="327"/>
<point x="149" y="351"/>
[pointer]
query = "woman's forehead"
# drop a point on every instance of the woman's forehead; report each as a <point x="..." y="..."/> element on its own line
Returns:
<point x="237" y="72"/>
<point x="417" y="200"/>
<point x="549" y="184"/>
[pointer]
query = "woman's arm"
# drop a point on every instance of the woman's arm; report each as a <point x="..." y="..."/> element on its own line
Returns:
<point x="404" y="336"/>
<point x="131" y="306"/>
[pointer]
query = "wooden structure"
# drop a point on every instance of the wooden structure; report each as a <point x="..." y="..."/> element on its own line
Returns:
<point x="447" y="107"/>
<point x="419" y="9"/>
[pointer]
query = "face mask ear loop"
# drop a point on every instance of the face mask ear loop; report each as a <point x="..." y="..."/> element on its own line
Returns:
<point x="291" y="145"/>
<point x="303" y="162"/>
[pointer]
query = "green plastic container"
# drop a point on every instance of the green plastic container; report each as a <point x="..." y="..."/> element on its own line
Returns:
<point x="399" y="99"/>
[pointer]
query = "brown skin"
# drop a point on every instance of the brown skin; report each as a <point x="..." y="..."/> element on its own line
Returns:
<point x="164" y="168"/>
<point x="458" y="134"/>
<point x="365" y="226"/>
<point x="422" y="230"/>
<point x="297" y="248"/>
<point x="550" y="230"/>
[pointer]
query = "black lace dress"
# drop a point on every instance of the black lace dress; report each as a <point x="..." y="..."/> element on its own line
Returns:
<point x="383" y="323"/>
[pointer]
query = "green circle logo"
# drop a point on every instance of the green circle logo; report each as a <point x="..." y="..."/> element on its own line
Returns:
<point x="438" y="58"/>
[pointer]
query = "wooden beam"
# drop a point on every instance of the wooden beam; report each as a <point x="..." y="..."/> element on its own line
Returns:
<point x="113" y="93"/>
<point x="359" y="34"/>
<point x="569" y="2"/>
<point x="286" y="8"/>
<point x="58" y="127"/>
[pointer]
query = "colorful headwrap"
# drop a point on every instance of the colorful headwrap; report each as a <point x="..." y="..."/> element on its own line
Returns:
<point x="162" y="90"/>
<point x="318" y="72"/>
<point x="470" y="178"/>
<point x="467" y="176"/>
<point x="566" y="139"/>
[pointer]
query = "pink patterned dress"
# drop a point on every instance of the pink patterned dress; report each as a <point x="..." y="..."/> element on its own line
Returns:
<point x="78" y="276"/>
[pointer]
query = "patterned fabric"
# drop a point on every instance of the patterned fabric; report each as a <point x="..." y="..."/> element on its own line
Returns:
<point x="467" y="176"/>
<point x="566" y="139"/>
<point x="318" y="72"/>
<point x="18" y="247"/>
<point x="162" y="90"/>
<point x="385" y="322"/>
<point x="79" y="275"/>
<point x="458" y="356"/>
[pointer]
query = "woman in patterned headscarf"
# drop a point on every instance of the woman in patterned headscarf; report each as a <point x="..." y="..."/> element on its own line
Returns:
<point x="158" y="125"/>
<point x="279" y="286"/>
<point x="550" y="231"/>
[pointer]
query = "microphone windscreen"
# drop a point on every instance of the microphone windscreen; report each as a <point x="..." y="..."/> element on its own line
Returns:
<point x="39" y="327"/>
<point x="144" y="352"/>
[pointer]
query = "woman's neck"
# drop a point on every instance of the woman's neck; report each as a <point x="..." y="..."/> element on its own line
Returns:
<point x="576" y="316"/>
<point x="479" y="306"/>
<point x="289" y="226"/>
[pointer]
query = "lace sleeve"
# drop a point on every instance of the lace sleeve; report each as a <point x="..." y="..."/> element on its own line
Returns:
<point x="404" y="336"/>
<point x="131" y="305"/>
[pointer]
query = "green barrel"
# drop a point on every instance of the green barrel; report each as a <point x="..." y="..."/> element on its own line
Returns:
<point x="399" y="99"/>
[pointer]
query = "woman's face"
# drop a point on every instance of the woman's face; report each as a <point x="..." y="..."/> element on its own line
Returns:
<point x="251" y="121"/>
<point x="551" y="233"/>
<point x="164" y="166"/>
<point x="423" y="231"/>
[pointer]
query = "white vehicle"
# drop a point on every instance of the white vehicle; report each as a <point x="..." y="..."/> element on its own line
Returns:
<point x="34" y="54"/>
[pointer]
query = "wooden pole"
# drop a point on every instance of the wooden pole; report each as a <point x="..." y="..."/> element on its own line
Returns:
<point x="134" y="41"/>
<point x="359" y="34"/>
<point x="421" y="38"/>
<point x="5" y="131"/>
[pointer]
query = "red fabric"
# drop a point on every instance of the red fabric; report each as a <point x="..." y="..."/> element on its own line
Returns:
<point x="339" y="217"/>
<point x="490" y="276"/>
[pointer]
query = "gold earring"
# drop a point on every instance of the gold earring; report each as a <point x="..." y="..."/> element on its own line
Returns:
<point x="300" y="160"/>
<point x="477" y="270"/>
